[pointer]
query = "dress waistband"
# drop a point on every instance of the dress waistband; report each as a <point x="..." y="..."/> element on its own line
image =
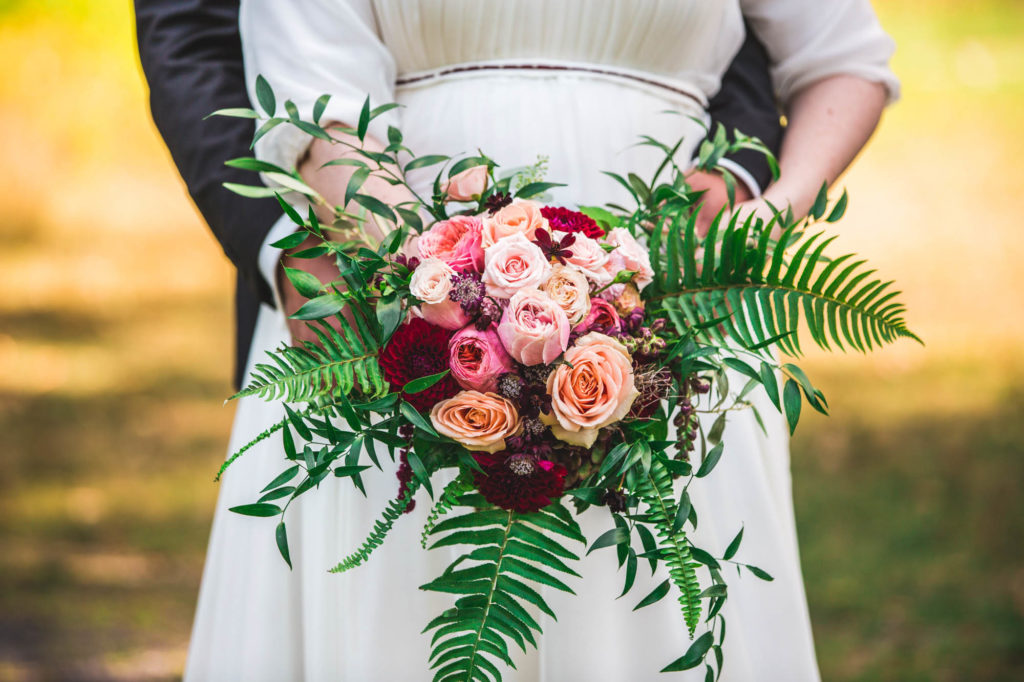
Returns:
<point x="644" y="79"/>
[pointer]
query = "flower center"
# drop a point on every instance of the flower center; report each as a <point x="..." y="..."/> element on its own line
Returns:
<point x="521" y="466"/>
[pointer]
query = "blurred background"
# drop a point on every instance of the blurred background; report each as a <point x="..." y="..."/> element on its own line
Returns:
<point x="115" y="357"/>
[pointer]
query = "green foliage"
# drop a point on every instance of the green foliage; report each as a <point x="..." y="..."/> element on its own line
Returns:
<point x="759" y="293"/>
<point x="380" y="530"/>
<point x="340" y="361"/>
<point x="508" y="551"/>
<point x="448" y="499"/>
<point x="655" y="489"/>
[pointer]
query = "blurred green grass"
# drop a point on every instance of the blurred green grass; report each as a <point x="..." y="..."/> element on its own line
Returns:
<point x="115" y="333"/>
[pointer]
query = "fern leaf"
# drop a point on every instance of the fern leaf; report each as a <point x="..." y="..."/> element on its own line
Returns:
<point x="656" y="491"/>
<point x="448" y="499"/>
<point x="470" y="640"/>
<point x="763" y="295"/>
<point x="380" y="529"/>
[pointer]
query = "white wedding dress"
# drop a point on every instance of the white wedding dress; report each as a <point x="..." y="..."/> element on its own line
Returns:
<point x="577" y="81"/>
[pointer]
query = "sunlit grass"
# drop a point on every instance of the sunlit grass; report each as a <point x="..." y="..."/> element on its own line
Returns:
<point x="115" y="356"/>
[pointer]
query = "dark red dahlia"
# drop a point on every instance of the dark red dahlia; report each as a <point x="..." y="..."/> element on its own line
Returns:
<point x="567" y="220"/>
<point x="523" y="483"/>
<point x="418" y="349"/>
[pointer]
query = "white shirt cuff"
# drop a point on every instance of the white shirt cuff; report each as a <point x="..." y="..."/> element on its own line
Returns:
<point x="270" y="256"/>
<point x="743" y="175"/>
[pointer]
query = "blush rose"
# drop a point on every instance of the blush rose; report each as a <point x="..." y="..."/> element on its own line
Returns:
<point x="514" y="263"/>
<point x="534" y="329"/>
<point x="467" y="185"/>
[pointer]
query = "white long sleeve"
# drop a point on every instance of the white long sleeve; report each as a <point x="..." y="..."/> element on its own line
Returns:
<point x="808" y="40"/>
<point x="306" y="48"/>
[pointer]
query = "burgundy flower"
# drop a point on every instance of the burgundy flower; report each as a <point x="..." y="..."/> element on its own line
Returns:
<point x="558" y="250"/>
<point x="405" y="475"/>
<point x="522" y="483"/>
<point x="497" y="201"/>
<point x="418" y="349"/>
<point x="567" y="220"/>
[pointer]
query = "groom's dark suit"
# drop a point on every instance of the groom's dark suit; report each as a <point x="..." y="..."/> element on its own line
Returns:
<point x="192" y="57"/>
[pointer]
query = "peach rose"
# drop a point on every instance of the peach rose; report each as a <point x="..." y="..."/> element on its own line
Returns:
<point x="629" y="254"/>
<point x="588" y="257"/>
<point x="467" y="185"/>
<point x="534" y="329"/>
<point x="456" y="241"/>
<point x="479" y="421"/>
<point x="522" y="216"/>
<point x="430" y="283"/>
<point x="514" y="263"/>
<point x="592" y="389"/>
<point x="570" y="290"/>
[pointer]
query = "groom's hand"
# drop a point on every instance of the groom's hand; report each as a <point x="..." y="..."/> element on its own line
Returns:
<point x="715" y="198"/>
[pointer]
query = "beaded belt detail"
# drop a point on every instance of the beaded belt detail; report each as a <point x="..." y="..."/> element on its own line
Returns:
<point x="479" y="68"/>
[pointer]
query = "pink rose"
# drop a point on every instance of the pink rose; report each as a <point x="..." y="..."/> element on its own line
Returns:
<point x="430" y="283"/>
<point x="480" y="421"/>
<point x="520" y="217"/>
<point x="629" y="254"/>
<point x="595" y="387"/>
<point x="514" y="263"/>
<point x="456" y="241"/>
<point x="570" y="290"/>
<point x="534" y="328"/>
<point x="477" y="358"/>
<point x="467" y="185"/>
<point x="588" y="257"/>
<point x="603" y="317"/>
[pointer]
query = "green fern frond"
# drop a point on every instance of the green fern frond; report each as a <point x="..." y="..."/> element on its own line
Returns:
<point x="381" y="528"/>
<point x="339" y="362"/>
<point x="656" y="491"/>
<point x="511" y="551"/>
<point x="448" y="499"/>
<point x="763" y="292"/>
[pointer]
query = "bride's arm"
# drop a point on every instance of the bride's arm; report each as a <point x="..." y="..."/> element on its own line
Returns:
<point x="830" y="67"/>
<point x="830" y="121"/>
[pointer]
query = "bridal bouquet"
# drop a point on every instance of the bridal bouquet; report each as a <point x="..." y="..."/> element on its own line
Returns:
<point x="547" y="359"/>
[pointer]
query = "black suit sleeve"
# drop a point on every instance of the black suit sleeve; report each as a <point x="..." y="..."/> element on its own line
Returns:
<point x="191" y="54"/>
<point x="746" y="102"/>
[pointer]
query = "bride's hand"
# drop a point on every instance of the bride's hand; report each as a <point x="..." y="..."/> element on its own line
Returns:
<point x="716" y="196"/>
<point x="330" y="183"/>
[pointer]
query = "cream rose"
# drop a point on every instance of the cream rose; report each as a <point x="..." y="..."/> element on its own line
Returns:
<point x="629" y="254"/>
<point x="430" y="283"/>
<point x="520" y="217"/>
<point x="588" y="257"/>
<point x="534" y="329"/>
<point x="569" y="288"/>
<point x="595" y="387"/>
<point x="514" y="263"/>
<point x="479" y="421"/>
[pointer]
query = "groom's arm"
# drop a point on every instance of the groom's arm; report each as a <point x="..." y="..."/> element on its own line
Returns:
<point x="746" y="102"/>
<point x="191" y="54"/>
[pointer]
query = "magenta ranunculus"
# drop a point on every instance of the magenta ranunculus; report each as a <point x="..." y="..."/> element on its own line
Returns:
<point x="456" y="241"/>
<point x="534" y="329"/>
<point x="602" y="318"/>
<point x="477" y="358"/>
